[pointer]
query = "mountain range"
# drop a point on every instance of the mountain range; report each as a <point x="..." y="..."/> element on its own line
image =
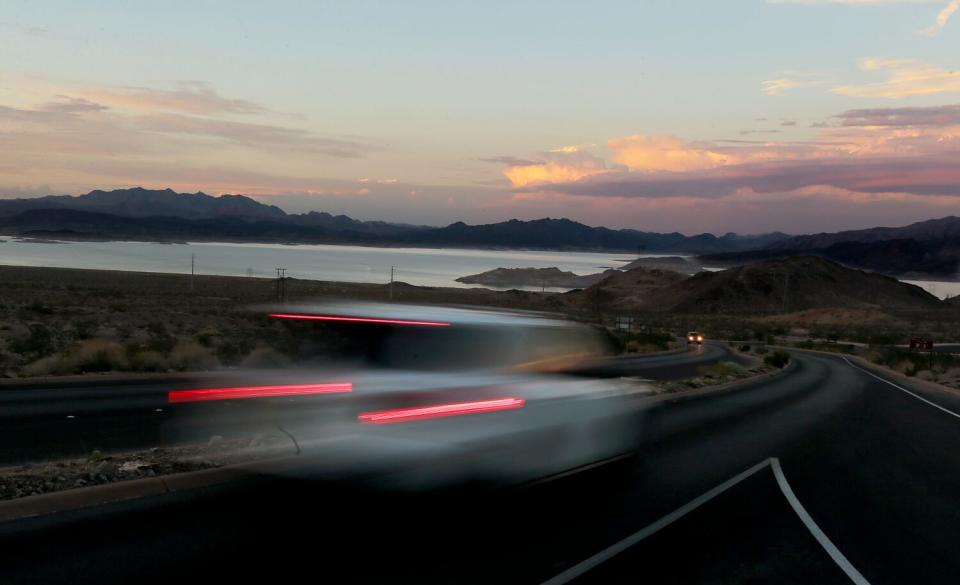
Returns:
<point x="927" y="249"/>
<point x="139" y="213"/>
<point x="921" y="249"/>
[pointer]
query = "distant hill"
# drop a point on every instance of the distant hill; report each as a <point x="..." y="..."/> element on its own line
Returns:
<point x="679" y="264"/>
<point x="549" y="233"/>
<point x="167" y="203"/>
<point x="543" y="277"/>
<point x="70" y="224"/>
<point x="139" y="202"/>
<point x="900" y="257"/>
<point x="788" y="285"/>
<point x="943" y="229"/>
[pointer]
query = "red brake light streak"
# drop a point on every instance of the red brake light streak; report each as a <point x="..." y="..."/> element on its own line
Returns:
<point x="398" y="415"/>
<point x="203" y="394"/>
<point x="358" y="319"/>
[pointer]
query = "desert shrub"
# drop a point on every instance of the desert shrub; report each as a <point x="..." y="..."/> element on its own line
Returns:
<point x="911" y="362"/>
<point x="160" y="340"/>
<point x="230" y="351"/>
<point x="206" y="338"/>
<point x="265" y="357"/>
<point x="96" y="355"/>
<point x="641" y="341"/>
<point x="38" y="343"/>
<point x="721" y="370"/>
<point x="49" y="366"/>
<point x="189" y="355"/>
<point x="148" y="361"/>
<point x="777" y="359"/>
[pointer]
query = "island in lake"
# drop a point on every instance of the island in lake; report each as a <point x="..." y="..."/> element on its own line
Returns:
<point x="543" y="277"/>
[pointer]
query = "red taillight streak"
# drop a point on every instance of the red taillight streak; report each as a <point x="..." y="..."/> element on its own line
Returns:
<point x="358" y="320"/>
<point x="257" y="391"/>
<point x="381" y="417"/>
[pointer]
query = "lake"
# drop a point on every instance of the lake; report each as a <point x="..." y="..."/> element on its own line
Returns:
<point x="420" y="266"/>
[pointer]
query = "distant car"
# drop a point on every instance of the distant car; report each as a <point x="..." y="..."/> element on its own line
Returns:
<point x="695" y="337"/>
<point x="430" y="396"/>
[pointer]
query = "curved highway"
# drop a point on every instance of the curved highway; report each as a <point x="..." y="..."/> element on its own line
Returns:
<point x="827" y="474"/>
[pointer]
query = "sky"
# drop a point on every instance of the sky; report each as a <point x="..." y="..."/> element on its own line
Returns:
<point x="662" y="115"/>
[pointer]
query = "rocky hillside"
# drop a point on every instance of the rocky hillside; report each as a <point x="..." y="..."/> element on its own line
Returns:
<point x="627" y="290"/>
<point x="789" y="285"/>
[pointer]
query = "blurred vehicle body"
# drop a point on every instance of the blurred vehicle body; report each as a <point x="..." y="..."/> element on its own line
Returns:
<point x="694" y="337"/>
<point x="431" y="396"/>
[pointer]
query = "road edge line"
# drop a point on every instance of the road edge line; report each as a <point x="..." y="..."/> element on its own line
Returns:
<point x="901" y="388"/>
<point x="845" y="565"/>
<point x="613" y="550"/>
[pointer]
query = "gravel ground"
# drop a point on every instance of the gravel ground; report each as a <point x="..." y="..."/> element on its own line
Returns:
<point x="97" y="468"/>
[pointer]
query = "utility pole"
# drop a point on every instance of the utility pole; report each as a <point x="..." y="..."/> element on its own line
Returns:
<point x="391" y="282"/>
<point x="193" y="258"/>
<point x="281" y="285"/>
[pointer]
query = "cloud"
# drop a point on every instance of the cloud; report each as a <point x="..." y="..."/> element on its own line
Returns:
<point x="191" y="97"/>
<point x="908" y="151"/>
<point x="748" y="132"/>
<point x="510" y="161"/>
<point x="664" y="153"/>
<point x="905" y="78"/>
<point x="918" y="176"/>
<point x="788" y="123"/>
<point x="560" y="165"/>
<point x="942" y="17"/>
<point x="67" y="104"/>
<point x="262" y="136"/>
<point x="947" y="115"/>
<point x="780" y="86"/>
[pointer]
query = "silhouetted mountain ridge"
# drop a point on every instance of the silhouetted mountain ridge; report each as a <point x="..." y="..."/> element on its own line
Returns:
<point x="158" y="212"/>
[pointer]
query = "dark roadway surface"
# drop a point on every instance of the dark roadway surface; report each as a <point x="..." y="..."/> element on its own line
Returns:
<point x="876" y="468"/>
<point x="82" y="418"/>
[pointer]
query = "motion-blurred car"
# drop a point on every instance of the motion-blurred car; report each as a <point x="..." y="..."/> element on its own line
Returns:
<point x="430" y="396"/>
<point x="694" y="337"/>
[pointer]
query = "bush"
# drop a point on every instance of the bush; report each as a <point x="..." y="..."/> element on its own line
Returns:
<point x="721" y="370"/>
<point x="96" y="355"/>
<point x="189" y="355"/>
<point x="48" y="366"/>
<point x="38" y="343"/>
<point x="777" y="359"/>
<point x="148" y="361"/>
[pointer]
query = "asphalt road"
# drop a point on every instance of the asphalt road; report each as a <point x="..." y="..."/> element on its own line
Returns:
<point x="825" y="475"/>
<point x="79" y="419"/>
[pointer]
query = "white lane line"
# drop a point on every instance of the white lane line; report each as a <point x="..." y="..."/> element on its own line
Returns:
<point x="615" y="549"/>
<point x="825" y="542"/>
<point x="914" y="394"/>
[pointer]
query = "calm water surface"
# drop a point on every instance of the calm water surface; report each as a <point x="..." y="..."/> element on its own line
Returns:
<point x="421" y="266"/>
